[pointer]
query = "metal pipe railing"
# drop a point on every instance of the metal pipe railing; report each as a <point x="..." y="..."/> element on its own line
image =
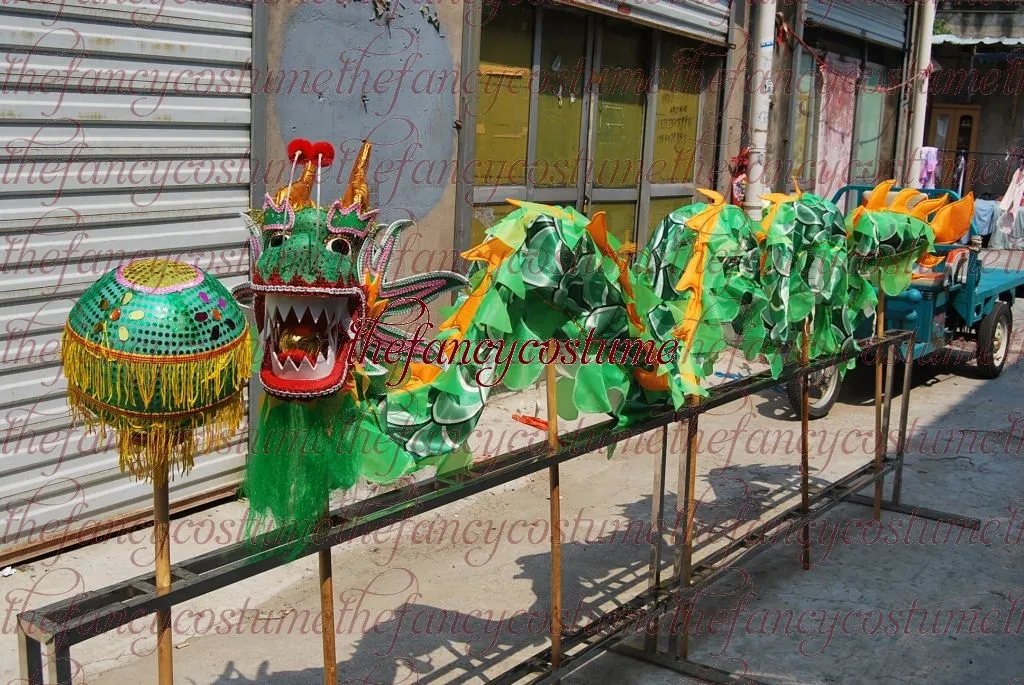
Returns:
<point x="61" y="625"/>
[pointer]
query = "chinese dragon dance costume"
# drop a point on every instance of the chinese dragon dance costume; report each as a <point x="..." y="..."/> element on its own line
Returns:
<point x="709" y="275"/>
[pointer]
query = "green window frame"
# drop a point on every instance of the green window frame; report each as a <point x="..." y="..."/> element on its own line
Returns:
<point x="560" y="160"/>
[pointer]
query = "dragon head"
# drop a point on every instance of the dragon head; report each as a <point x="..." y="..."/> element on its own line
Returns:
<point x="320" y="285"/>
<point x="308" y="294"/>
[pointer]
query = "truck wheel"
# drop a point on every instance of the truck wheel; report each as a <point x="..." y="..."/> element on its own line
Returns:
<point x="994" y="340"/>
<point x="823" y="392"/>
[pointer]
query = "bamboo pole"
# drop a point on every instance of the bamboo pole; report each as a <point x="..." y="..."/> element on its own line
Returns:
<point x="657" y="514"/>
<point x="805" y="466"/>
<point x="327" y="612"/>
<point x="678" y="534"/>
<point x="162" y="548"/>
<point x="691" y="513"/>
<point x="556" y="512"/>
<point x="901" y="446"/>
<point x="879" y="438"/>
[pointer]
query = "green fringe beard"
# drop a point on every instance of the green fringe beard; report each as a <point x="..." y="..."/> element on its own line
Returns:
<point x="301" y="451"/>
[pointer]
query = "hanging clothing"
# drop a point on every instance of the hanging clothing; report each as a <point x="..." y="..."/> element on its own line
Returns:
<point x="1008" y="235"/>
<point x="1010" y="206"/>
<point x="739" y="190"/>
<point x="984" y="217"/>
<point x="835" y="126"/>
<point x="929" y="167"/>
<point x="1001" y="238"/>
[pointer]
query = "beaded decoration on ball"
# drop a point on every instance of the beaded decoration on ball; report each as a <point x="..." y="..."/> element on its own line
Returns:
<point x="159" y="351"/>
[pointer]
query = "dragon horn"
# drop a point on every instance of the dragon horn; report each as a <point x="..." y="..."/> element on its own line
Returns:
<point x="358" y="191"/>
<point x="299" y="196"/>
<point x="250" y="223"/>
<point x="255" y="234"/>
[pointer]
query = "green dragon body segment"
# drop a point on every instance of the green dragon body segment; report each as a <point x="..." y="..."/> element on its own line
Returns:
<point x="628" y="338"/>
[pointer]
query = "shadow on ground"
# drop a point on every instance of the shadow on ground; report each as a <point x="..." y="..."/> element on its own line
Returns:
<point x="615" y="564"/>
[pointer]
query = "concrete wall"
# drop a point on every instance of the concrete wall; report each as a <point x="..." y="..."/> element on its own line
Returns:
<point x="381" y="70"/>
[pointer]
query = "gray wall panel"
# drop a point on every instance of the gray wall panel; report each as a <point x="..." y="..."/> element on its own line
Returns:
<point x="124" y="132"/>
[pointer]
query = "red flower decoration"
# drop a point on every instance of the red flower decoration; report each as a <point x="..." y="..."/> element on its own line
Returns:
<point x="325" y="149"/>
<point x="303" y="148"/>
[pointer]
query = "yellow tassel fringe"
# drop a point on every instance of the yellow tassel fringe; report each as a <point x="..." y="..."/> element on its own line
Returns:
<point x="155" y="448"/>
<point x="182" y="384"/>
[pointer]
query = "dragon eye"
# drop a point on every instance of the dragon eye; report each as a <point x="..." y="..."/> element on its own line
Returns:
<point x="339" y="245"/>
<point x="277" y="240"/>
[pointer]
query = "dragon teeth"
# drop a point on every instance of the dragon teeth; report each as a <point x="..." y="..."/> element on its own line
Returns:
<point x="311" y="309"/>
<point x="306" y="370"/>
<point x="332" y="313"/>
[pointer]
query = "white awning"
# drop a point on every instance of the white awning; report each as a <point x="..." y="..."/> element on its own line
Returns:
<point x="951" y="39"/>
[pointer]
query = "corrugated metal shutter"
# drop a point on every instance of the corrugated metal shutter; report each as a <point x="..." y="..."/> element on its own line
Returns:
<point x="124" y="130"/>
<point x="704" y="19"/>
<point x="882" y="21"/>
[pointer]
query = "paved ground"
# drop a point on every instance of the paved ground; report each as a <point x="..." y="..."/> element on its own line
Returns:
<point x="457" y="595"/>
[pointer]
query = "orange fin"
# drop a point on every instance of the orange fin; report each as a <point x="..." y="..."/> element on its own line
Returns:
<point x="925" y="207"/>
<point x="879" y="195"/>
<point x="716" y="198"/>
<point x="899" y="203"/>
<point x="774" y="200"/>
<point x="598" y="230"/>
<point x="650" y="380"/>
<point x="493" y="251"/>
<point x="854" y="218"/>
<point x="953" y="221"/>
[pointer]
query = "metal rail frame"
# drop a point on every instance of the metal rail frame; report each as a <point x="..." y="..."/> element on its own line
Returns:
<point x="59" y="626"/>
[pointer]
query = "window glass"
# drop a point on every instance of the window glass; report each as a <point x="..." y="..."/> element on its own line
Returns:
<point x="485" y="216"/>
<point x="661" y="207"/>
<point x="622" y="91"/>
<point x="941" y="131"/>
<point x="887" y="146"/>
<point x="804" y="141"/>
<point x="560" y="101"/>
<point x="503" y="97"/>
<point x="676" y="120"/>
<point x="867" y="137"/>
<point x="621" y="218"/>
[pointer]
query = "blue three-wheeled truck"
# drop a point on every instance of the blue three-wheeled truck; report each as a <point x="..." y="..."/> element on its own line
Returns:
<point x="963" y="299"/>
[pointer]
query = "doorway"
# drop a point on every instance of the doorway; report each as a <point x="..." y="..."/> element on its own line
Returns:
<point x="953" y="130"/>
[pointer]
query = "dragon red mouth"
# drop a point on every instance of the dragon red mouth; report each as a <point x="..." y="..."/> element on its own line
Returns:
<point x="307" y="341"/>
